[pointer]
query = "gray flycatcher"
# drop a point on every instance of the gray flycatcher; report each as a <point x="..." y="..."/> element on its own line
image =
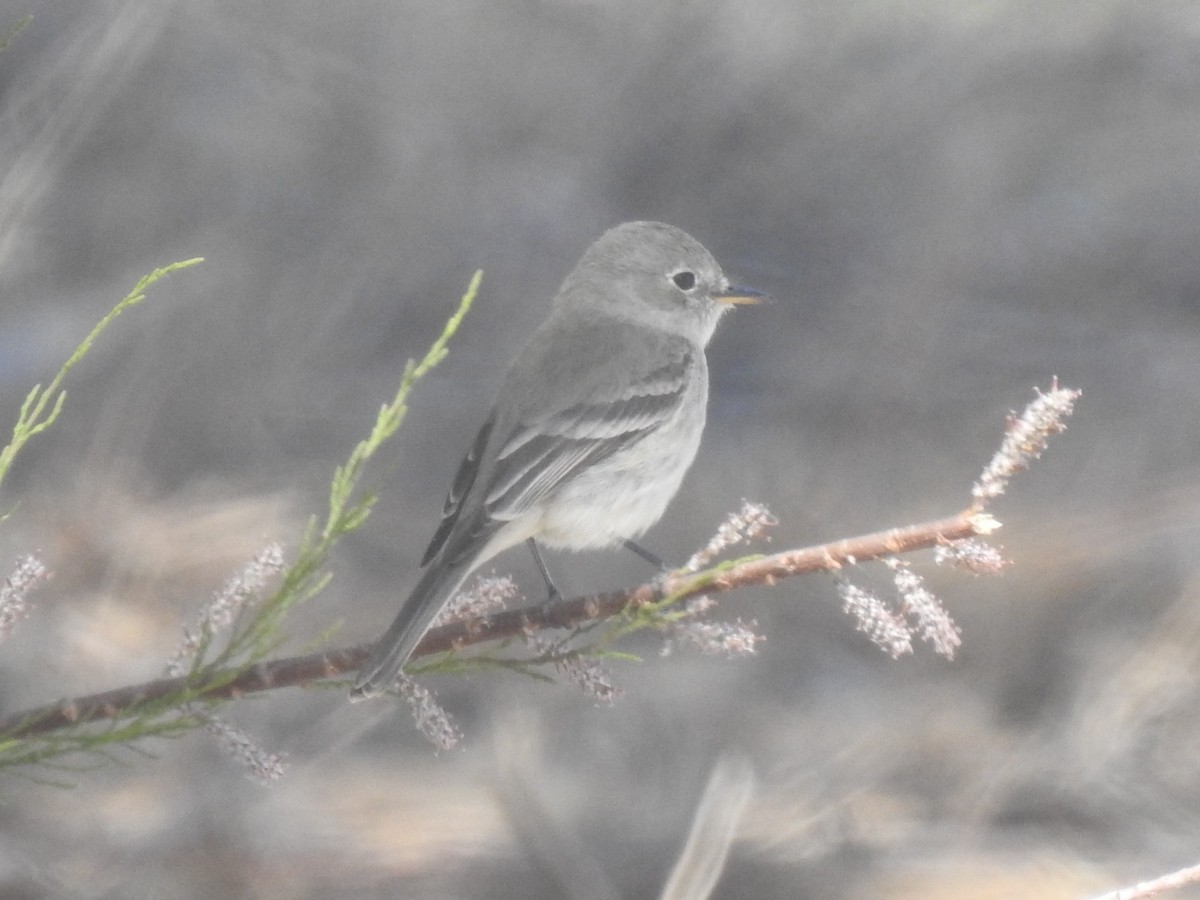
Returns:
<point x="597" y="422"/>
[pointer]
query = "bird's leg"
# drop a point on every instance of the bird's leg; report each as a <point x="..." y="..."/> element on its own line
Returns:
<point x="552" y="593"/>
<point x="644" y="554"/>
<point x="664" y="573"/>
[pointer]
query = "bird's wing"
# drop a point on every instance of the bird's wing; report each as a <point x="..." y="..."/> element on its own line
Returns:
<point x="540" y="454"/>
<point x="526" y="459"/>
<point x="463" y="479"/>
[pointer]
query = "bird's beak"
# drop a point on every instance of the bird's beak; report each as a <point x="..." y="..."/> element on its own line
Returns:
<point x="740" y="295"/>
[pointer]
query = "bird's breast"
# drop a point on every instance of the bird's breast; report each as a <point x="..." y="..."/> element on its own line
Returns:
<point x="623" y="495"/>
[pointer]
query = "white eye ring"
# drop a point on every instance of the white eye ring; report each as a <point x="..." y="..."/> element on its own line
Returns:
<point x="684" y="279"/>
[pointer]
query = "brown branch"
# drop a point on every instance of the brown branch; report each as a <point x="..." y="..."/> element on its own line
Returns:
<point x="300" y="670"/>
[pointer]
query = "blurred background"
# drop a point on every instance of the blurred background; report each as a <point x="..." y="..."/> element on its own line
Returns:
<point x="952" y="202"/>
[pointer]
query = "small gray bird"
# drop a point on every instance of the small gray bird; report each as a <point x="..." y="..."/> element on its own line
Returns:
<point x="596" y="423"/>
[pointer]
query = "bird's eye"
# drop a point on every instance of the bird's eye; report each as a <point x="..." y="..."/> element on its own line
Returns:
<point x="684" y="280"/>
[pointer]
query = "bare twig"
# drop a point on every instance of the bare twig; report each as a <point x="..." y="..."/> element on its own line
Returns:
<point x="301" y="670"/>
<point x="714" y="826"/>
<point x="1156" y="886"/>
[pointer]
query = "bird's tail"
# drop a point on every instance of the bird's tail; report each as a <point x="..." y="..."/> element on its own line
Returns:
<point x="436" y="586"/>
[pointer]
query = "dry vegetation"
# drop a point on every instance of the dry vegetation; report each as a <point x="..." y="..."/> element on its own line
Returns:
<point x="951" y="201"/>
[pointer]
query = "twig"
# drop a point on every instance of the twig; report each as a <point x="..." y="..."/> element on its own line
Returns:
<point x="1155" y="886"/>
<point x="301" y="670"/>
